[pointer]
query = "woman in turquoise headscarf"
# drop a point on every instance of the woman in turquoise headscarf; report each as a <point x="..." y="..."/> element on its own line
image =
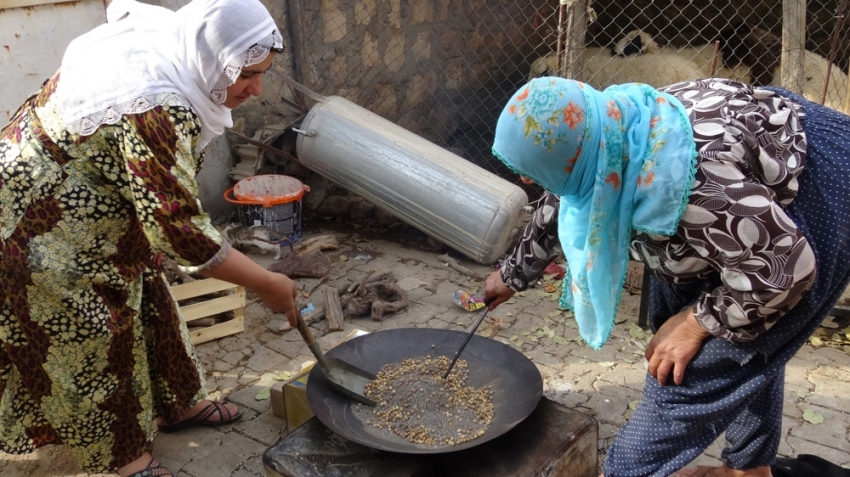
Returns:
<point x="730" y="196"/>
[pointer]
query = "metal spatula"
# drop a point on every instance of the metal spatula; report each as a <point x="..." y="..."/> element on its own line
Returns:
<point x="469" y="336"/>
<point x="344" y="377"/>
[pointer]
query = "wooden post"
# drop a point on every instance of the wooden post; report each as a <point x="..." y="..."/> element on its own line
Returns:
<point x="847" y="98"/>
<point x="577" y="27"/>
<point x="839" y="21"/>
<point x="793" y="44"/>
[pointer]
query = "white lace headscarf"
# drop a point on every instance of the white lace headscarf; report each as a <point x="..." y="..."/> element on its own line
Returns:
<point x="146" y="56"/>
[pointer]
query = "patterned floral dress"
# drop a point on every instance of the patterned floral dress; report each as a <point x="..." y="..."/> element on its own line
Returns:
<point x="93" y="345"/>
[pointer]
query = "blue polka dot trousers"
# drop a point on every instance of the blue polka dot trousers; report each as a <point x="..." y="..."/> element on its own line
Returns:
<point x="738" y="387"/>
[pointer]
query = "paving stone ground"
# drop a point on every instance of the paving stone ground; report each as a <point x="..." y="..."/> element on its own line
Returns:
<point x="605" y="384"/>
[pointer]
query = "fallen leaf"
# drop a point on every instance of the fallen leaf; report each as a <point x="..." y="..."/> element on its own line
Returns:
<point x="582" y="361"/>
<point x="547" y="320"/>
<point x="519" y="342"/>
<point x="514" y="338"/>
<point x="837" y="337"/>
<point x="636" y="332"/>
<point x="509" y="314"/>
<point x="606" y="364"/>
<point x="533" y="339"/>
<point x="525" y="333"/>
<point x="816" y="342"/>
<point x="812" y="417"/>
<point x="554" y="313"/>
<point x="282" y="375"/>
<point x="263" y="395"/>
<point x="342" y="258"/>
<point x="620" y="319"/>
<point x="801" y="394"/>
<point x="560" y="340"/>
<point x="571" y="324"/>
<point x="830" y="323"/>
<point x="633" y="405"/>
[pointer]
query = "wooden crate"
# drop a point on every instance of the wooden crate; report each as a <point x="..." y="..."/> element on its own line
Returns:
<point x="211" y="305"/>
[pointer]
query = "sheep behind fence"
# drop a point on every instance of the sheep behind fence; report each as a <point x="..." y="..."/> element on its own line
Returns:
<point x="659" y="66"/>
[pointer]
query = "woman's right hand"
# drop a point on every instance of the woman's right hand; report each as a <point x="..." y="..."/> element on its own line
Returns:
<point x="279" y="294"/>
<point x="496" y="290"/>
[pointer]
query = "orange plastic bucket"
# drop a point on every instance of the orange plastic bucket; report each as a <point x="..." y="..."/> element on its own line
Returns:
<point x="271" y="200"/>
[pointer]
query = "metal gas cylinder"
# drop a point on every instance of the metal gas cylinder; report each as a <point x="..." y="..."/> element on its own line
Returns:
<point x="464" y="206"/>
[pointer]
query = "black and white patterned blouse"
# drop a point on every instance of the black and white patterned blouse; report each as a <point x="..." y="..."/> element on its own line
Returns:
<point x="734" y="231"/>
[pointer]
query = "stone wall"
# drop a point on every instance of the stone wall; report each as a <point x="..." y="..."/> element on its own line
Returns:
<point x="442" y="69"/>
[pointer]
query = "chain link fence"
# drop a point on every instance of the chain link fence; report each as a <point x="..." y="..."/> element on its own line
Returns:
<point x="445" y="68"/>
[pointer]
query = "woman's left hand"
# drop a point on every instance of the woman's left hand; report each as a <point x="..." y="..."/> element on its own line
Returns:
<point x="674" y="345"/>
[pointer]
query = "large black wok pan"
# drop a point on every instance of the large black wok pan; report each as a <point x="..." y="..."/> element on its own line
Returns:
<point x="517" y="384"/>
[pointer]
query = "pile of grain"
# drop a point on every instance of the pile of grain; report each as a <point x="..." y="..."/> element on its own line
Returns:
<point x="417" y="404"/>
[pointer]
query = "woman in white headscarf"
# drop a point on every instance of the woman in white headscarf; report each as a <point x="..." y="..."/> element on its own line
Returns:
<point x="97" y="184"/>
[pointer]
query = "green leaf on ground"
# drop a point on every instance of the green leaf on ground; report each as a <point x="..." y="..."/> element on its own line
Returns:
<point x="282" y="375"/>
<point x="571" y="324"/>
<point x="620" y="319"/>
<point x="554" y="313"/>
<point x="816" y="342"/>
<point x="606" y="364"/>
<point x="636" y="332"/>
<point x="526" y="333"/>
<point x="633" y="404"/>
<point x="263" y="395"/>
<point x="801" y="394"/>
<point x="582" y="361"/>
<point x="514" y="337"/>
<point x="519" y="342"/>
<point x="342" y="258"/>
<point x="560" y="340"/>
<point x="812" y="417"/>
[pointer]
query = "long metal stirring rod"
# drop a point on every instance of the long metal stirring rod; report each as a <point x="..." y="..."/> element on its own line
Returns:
<point x="469" y="336"/>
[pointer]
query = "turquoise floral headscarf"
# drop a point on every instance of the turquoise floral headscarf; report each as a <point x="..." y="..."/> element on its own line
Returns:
<point x="621" y="160"/>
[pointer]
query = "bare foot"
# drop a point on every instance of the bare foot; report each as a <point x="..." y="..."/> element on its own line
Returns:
<point x="194" y="410"/>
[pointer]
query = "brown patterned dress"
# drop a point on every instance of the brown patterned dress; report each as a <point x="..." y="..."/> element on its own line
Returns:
<point x="93" y="346"/>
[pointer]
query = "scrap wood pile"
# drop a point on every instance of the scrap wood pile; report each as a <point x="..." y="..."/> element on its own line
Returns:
<point x="374" y="294"/>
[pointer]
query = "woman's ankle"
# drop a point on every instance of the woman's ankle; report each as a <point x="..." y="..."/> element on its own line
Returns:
<point x="137" y="465"/>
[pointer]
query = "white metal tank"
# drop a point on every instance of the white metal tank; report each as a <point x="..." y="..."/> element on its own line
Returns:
<point x="464" y="206"/>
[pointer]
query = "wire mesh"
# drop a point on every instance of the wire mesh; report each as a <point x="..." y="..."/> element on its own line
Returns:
<point x="445" y="68"/>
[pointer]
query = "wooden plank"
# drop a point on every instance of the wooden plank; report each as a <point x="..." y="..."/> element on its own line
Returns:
<point x="793" y="44"/>
<point x="212" y="307"/>
<point x="231" y="327"/>
<point x="200" y="287"/>
<point x="333" y="309"/>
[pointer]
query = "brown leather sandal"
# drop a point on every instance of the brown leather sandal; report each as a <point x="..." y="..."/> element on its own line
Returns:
<point x="153" y="470"/>
<point x="202" y="418"/>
